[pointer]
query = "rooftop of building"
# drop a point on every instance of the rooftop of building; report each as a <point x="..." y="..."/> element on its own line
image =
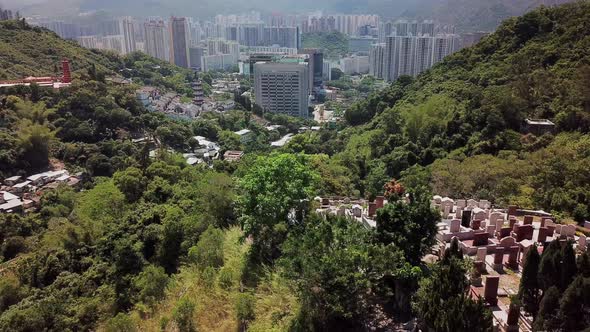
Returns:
<point x="539" y="122"/>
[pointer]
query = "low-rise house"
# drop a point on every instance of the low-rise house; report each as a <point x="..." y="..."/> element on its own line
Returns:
<point x="147" y="95"/>
<point x="282" y="142"/>
<point x="29" y="204"/>
<point x="273" y="127"/>
<point x="53" y="175"/>
<point x="11" y="181"/>
<point x="15" y="205"/>
<point x="233" y="155"/>
<point x="63" y="178"/>
<point x="6" y="196"/>
<point x="226" y="105"/>
<point x="37" y="179"/>
<point x="538" y="126"/>
<point x="245" y="135"/>
<point x="204" y="142"/>
<point x="21" y="187"/>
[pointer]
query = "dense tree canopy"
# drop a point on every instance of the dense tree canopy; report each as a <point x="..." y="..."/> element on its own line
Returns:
<point x="276" y="192"/>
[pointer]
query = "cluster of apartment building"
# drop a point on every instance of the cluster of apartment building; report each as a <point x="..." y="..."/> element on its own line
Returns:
<point x="390" y="49"/>
<point x="410" y="48"/>
<point x="352" y="25"/>
<point x="19" y="194"/>
<point x="180" y="40"/>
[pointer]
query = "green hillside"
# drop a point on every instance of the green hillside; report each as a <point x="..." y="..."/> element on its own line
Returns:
<point x="478" y="15"/>
<point x="37" y="124"/>
<point x="334" y="44"/>
<point x="26" y="50"/>
<point x="475" y="103"/>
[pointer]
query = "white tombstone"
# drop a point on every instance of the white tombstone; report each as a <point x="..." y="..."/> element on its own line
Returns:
<point x="357" y="211"/>
<point x="484" y="204"/>
<point x="481" y="254"/>
<point x="494" y="216"/>
<point x="472" y="203"/>
<point x="491" y="229"/>
<point x="458" y="212"/>
<point x="483" y="224"/>
<point x="499" y="224"/>
<point x="447" y="202"/>
<point x="478" y="214"/>
<point x="437" y="199"/>
<point x="461" y="203"/>
<point x="455" y="226"/>
<point x="507" y="242"/>
<point x="558" y="229"/>
<point x="446" y="211"/>
<point x="570" y="230"/>
<point x="582" y="242"/>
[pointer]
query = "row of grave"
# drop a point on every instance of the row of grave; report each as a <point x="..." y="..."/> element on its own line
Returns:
<point x="360" y="210"/>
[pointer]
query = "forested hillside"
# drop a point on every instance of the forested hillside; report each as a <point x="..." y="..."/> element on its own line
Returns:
<point x="32" y="51"/>
<point x="474" y="103"/>
<point x="478" y="15"/>
<point x="334" y="44"/>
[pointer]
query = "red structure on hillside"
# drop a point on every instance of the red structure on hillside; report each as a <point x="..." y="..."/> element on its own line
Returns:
<point x="55" y="82"/>
<point x="67" y="76"/>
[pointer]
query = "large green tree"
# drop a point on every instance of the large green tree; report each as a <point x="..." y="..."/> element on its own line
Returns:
<point x="549" y="267"/>
<point x="275" y="194"/>
<point x="410" y="226"/>
<point x="442" y="302"/>
<point x="529" y="291"/>
<point x="574" y="306"/>
<point x="547" y="318"/>
<point x="337" y="268"/>
<point x="131" y="183"/>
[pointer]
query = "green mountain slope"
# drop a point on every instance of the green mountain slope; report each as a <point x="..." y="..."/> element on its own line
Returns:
<point x="470" y="15"/>
<point x="36" y="123"/>
<point x="474" y="102"/>
<point x="26" y="50"/>
<point x="333" y="44"/>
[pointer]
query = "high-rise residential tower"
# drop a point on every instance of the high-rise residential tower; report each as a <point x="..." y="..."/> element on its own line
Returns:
<point x="411" y="55"/>
<point x="377" y="60"/>
<point x="179" y="41"/>
<point x="127" y="30"/>
<point x="155" y="39"/>
<point x="423" y="56"/>
<point x="282" y="36"/>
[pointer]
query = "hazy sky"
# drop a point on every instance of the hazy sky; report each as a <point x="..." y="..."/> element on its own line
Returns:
<point x="205" y="8"/>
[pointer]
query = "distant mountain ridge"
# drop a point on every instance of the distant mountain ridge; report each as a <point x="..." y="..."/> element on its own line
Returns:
<point x="480" y="15"/>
